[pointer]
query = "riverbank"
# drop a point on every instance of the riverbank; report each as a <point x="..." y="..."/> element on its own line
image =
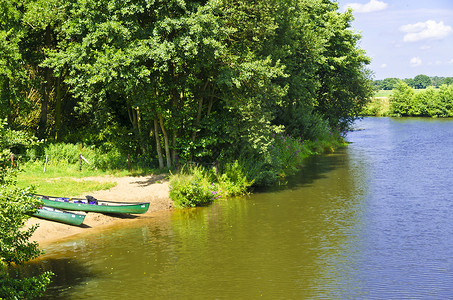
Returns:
<point x="152" y="188"/>
<point x="289" y="155"/>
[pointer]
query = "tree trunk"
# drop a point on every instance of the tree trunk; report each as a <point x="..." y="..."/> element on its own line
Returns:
<point x="134" y="117"/>
<point x="197" y="120"/>
<point x="200" y="108"/>
<point x="176" y="100"/>
<point x="58" y="110"/>
<point x="158" y="146"/>
<point x="211" y="101"/>
<point x="42" y="125"/>
<point x="174" y="152"/>
<point x="167" y="146"/>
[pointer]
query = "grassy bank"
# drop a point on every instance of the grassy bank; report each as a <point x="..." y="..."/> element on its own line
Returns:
<point x="191" y="185"/>
<point x="62" y="180"/>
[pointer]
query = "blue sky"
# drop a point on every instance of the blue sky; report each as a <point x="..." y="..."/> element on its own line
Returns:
<point x="405" y="38"/>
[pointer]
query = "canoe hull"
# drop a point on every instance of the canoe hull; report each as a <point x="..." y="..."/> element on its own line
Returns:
<point x="62" y="216"/>
<point x="101" y="207"/>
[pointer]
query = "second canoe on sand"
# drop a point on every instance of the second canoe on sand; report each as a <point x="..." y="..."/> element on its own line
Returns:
<point x="68" y="217"/>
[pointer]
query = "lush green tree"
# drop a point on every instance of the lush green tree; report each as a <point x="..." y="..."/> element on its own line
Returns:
<point x="12" y="77"/>
<point x="409" y="82"/>
<point x="430" y="102"/>
<point x="178" y="64"/>
<point x="444" y="101"/>
<point x="401" y="99"/>
<point x="423" y="103"/>
<point x="187" y="79"/>
<point x="389" y="83"/>
<point x="345" y="83"/>
<point x="448" y="80"/>
<point x="422" y="81"/>
<point x="15" y="208"/>
<point x="299" y="48"/>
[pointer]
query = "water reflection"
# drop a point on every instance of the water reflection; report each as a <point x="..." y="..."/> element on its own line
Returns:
<point x="286" y="243"/>
<point x="371" y="221"/>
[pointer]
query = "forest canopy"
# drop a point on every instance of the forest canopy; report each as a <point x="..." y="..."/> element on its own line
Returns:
<point x="188" y="80"/>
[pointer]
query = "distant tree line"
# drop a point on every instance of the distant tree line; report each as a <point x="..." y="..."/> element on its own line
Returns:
<point x="418" y="82"/>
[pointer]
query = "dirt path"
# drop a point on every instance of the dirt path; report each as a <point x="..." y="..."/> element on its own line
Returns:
<point x="153" y="189"/>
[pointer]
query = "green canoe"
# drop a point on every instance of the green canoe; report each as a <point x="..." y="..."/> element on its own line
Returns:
<point x="94" y="205"/>
<point x="68" y="217"/>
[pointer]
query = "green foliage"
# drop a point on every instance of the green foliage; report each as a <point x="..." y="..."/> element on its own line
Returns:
<point x="283" y="157"/>
<point x="15" y="205"/>
<point x="422" y="81"/>
<point x="182" y="80"/>
<point x="197" y="186"/>
<point x="66" y="153"/>
<point x="301" y="120"/>
<point x="444" y="101"/>
<point x="426" y="103"/>
<point x="389" y="83"/>
<point x="400" y="101"/>
<point x="286" y="154"/>
<point x="345" y="81"/>
<point x="27" y="288"/>
<point x="192" y="187"/>
<point x="233" y="180"/>
<point x="15" y="208"/>
<point x="257" y="167"/>
<point x="377" y="107"/>
<point x="10" y="139"/>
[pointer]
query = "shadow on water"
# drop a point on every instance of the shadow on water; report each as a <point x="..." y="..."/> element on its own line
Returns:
<point x="314" y="168"/>
<point x="69" y="273"/>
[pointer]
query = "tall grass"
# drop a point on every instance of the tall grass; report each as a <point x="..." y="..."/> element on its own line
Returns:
<point x="56" y="170"/>
<point x="198" y="186"/>
<point x="378" y="107"/>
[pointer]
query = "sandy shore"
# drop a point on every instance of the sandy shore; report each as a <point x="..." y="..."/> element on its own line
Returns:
<point x="153" y="189"/>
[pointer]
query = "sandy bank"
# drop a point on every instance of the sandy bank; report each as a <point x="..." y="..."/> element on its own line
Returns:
<point x="153" y="189"/>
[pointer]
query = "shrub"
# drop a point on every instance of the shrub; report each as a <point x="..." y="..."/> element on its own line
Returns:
<point x="233" y="181"/>
<point x="401" y="99"/>
<point x="444" y="100"/>
<point x="430" y="102"/>
<point x="191" y="187"/>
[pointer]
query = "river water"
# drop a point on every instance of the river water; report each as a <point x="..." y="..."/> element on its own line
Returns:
<point x="372" y="221"/>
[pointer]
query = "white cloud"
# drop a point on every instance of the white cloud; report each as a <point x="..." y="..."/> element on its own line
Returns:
<point x="415" y="61"/>
<point x="451" y="61"/>
<point x="373" y="5"/>
<point x="425" y="30"/>
<point x="383" y="66"/>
